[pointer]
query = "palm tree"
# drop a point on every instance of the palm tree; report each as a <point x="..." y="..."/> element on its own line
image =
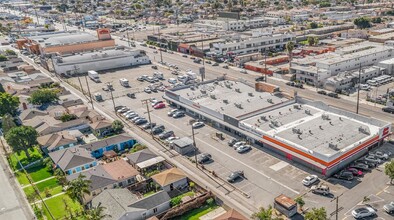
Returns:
<point x="78" y="187"/>
<point x="47" y="162"/>
<point x="264" y="214"/>
<point x="316" y="214"/>
<point x="290" y="48"/>
<point x="96" y="213"/>
<point x="59" y="175"/>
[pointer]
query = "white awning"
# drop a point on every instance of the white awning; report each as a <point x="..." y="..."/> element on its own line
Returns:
<point x="150" y="162"/>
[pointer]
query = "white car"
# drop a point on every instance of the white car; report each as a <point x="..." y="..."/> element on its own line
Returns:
<point x="238" y="144"/>
<point x="363" y="212"/>
<point x="198" y="124"/>
<point x="309" y="180"/>
<point x="128" y="112"/>
<point x="172" y="80"/>
<point x="243" y="71"/>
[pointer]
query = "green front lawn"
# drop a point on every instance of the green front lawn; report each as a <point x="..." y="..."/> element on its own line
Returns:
<point x="35" y="154"/>
<point x="58" y="207"/>
<point x="37" y="173"/>
<point x="195" y="214"/>
<point x="51" y="184"/>
<point x="53" y="191"/>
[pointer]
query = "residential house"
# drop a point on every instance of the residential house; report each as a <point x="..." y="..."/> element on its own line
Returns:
<point x="231" y="214"/>
<point x="122" y="172"/>
<point x="56" y="111"/>
<point x="73" y="160"/>
<point x="101" y="128"/>
<point x="121" y="204"/>
<point x="144" y="160"/>
<point x="171" y="179"/>
<point x="90" y="115"/>
<point x="31" y="113"/>
<point x="56" y="141"/>
<point x="117" y="143"/>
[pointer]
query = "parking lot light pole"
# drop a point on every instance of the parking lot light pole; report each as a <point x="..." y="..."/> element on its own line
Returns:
<point x="195" y="147"/>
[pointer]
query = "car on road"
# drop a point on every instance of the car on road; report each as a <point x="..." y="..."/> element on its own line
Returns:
<point x="232" y="142"/>
<point x="159" y="105"/>
<point x="154" y="67"/>
<point x="259" y="79"/>
<point x="344" y="175"/>
<point x="320" y="189"/>
<point x="149" y="125"/>
<point x="215" y="64"/>
<point x="310" y="180"/>
<point x="381" y="155"/>
<point x="184" y="55"/>
<point x="198" y="124"/>
<point x="166" y="135"/>
<point x="235" y="175"/>
<point x="203" y="158"/>
<point x="388" y="109"/>
<point x="389" y="208"/>
<point x="363" y="212"/>
<point x="178" y="114"/>
<point x="243" y="71"/>
<point x="208" y="62"/>
<point x="355" y="171"/>
<point x="244" y="149"/>
<point x="360" y="166"/>
<point x="322" y="92"/>
<point x="225" y="67"/>
<point x="333" y="95"/>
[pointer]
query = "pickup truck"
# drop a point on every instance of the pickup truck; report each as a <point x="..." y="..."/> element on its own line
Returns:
<point x="320" y="189"/>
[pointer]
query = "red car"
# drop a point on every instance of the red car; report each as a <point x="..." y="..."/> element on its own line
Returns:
<point x="159" y="106"/>
<point x="355" y="171"/>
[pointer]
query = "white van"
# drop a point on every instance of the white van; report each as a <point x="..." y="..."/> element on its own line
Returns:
<point x="124" y="82"/>
<point x="365" y="87"/>
<point x="93" y="75"/>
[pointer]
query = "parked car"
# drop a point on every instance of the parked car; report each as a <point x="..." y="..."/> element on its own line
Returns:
<point x="238" y="144"/>
<point x="367" y="162"/>
<point x="198" y="124"/>
<point x="141" y="79"/>
<point x="360" y="166"/>
<point x="373" y="159"/>
<point x="310" y="180"/>
<point x="363" y="212"/>
<point x="122" y="110"/>
<point x="344" y="175"/>
<point x="154" y="67"/>
<point x="203" y="158"/>
<point x="159" y="105"/>
<point x="381" y="155"/>
<point x="136" y="118"/>
<point x="243" y="71"/>
<point x="157" y="130"/>
<point x="354" y="171"/>
<point x="208" y="62"/>
<point x="141" y="121"/>
<point x="321" y="189"/>
<point x="171" y="139"/>
<point x="234" y="176"/>
<point x="389" y="208"/>
<point x="172" y="112"/>
<point x="215" y="64"/>
<point x="244" y="148"/>
<point x="149" y="126"/>
<point x="131" y="116"/>
<point x="232" y="142"/>
<point x="178" y="114"/>
<point x="166" y="135"/>
<point x="147" y="90"/>
<point x="322" y="92"/>
<point x="131" y="95"/>
<point x="259" y="79"/>
<point x="128" y="112"/>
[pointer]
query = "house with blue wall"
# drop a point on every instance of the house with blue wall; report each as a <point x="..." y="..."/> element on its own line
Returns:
<point x="115" y="143"/>
<point x="73" y="160"/>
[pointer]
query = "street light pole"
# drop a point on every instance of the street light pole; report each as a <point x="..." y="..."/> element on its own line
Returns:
<point x="145" y="101"/>
<point x="358" y="89"/>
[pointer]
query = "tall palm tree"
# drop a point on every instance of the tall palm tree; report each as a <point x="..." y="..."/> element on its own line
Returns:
<point x="96" y="213"/>
<point x="316" y="214"/>
<point x="290" y="48"/>
<point x="78" y="187"/>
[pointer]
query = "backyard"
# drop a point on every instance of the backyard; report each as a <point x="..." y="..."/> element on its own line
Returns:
<point x="61" y="206"/>
<point x="195" y="214"/>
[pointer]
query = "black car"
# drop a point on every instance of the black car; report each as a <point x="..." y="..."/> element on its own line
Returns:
<point x="259" y="79"/>
<point x="203" y="158"/>
<point x="131" y="95"/>
<point x="234" y="176"/>
<point x="178" y="114"/>
<point x="141" y="121"/>
<point x="119" y="107"/>
<point x="299" y="85"/>
<point x="368" y="163"/>
<point x="322" y="92"/>
<point x="232" y="142"/>
<point x="344" y="175"/>
<point x="360" y="166"/>
<point x="388" y="110"/>
<point x="154" y="67"/>
<point x="290" y="83"/>
<point x="333" y="94"/>
<point x="149" y="126"/>
<point x="166" y="135"/>
<point x="157" y="130"/>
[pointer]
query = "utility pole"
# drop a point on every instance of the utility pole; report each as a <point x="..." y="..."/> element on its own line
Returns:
<point x="35" y="11"/>
<point x="113" y="101"/>
<point x="265" y="66"/>
<point x="358" y="89"/>
<point x="128" y="39"/>
<point x="146" y="102"/>
<point x="79" y="79"/>
<point x="202" y="50"/>
<point x="161" y="55"/>
<point x="195" y="147"/>
<point x="90" y="94"/>
<point x="337" y="209"/>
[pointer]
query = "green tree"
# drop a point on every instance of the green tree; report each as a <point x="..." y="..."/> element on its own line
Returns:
<point x="324" y="4"/>
<point x="311" y="41"/>
<point x="96" y="213"/>
<point x="43" y="96"/>
<point x="78" y="187"/>
<point x="363" y="22"/>
<point x="60" y="177"/>
<point x="68" y="117"/>
<point x="290" y="48"/>
<point x="315" y="40"/>
<point x="376" y="20"/>
<point x="313" y="25"/>
<point x="117" y="126"/>
<point x="10" y="52"/>
<point x="9" y="104"/>
<point x="8" y="123"/>
<point x="47" y="162"/>
<point x="264" y="214"/>
<point x="3" y="58"/>
<point x="389" y="170"/>
<point x="1" y="88"/>
<point x="300" y="201"/>
<point x="316" y="214"/>
<point x="22" y="138"/>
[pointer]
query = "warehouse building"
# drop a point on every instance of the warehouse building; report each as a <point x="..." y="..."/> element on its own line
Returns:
<point x="112" y="58"/>
<point x="316" y="135"/>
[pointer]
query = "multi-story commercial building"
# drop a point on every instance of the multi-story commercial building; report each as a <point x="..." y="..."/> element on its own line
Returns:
<point x="331" y="29"/>
<point x="99" y="60"/>
<point x="253" y="44"/>
<point x="234" y="24"/>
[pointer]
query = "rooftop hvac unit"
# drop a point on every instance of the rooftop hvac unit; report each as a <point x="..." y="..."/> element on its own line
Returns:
<point x="297" y="106"/>
<point x="213" y="96"/>
<point x="325" y="117"/>
<point x="238" y="105"/>
<point x="270" y="101"/>
<point x="225" y="101"/>
<point x="264" y="118"/>
<point x="307" y="111"/>
<point x="228" y="85"/>
<point x="297" y="130"/>
<point x="333" y="146"/>
<point x="363" y="130"/>
<point x="203" y="91"/>
<point x="275" y="123"/>
<point x="238" y="90"/>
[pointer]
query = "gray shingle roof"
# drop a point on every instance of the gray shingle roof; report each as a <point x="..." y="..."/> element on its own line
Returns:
<point x="152" y="201"/>
<point x="98" y="176"/>
<point x="106" y="142"/>
<point x="140" y="156"/>
<point x="71" y="157"/>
